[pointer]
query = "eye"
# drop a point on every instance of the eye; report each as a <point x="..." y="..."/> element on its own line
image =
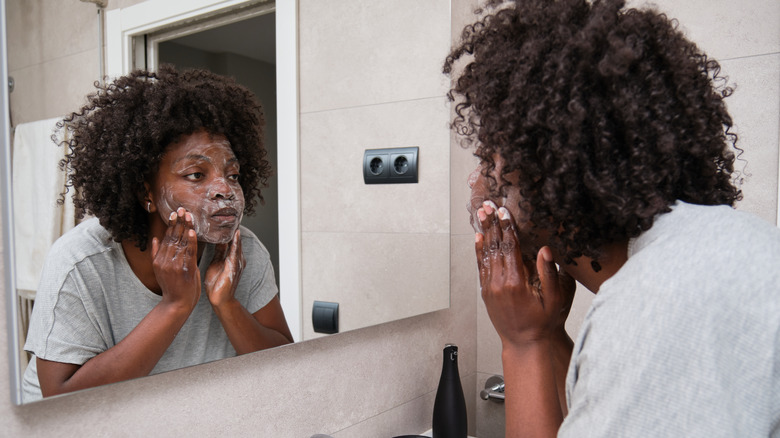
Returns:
<point x="195" y="176"/>
<point x="234" y="177"/>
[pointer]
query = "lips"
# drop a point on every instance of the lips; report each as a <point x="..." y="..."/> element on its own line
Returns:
<point x="226" y="212"/>
<point x="225" y="215"/>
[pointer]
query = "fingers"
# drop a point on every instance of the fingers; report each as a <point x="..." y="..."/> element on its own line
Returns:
<point x="487" y="244"/>
<point x="568" y="288"/>
<point x="180" y="237"/>
<point x="224" y="272"/>
<point x="567" y="282"/>
<point x="230" y="249"/>
<point x="479" y="243"/>
<point x="499" y="257"/>
<point x="548" y="273"/>
<point x="488" y="219"/>
<point x="236" y="252"/>
<point x="492" y="259"/>
<point x="220" y="251"/>
<point x="510" y="248"/>
<point x="175" y="226"/>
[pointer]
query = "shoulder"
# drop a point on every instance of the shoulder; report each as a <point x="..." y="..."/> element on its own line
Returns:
<point x="83" y="241"/>
<point x="722" y="220"/>
<point x="698" y="268"/>
<point x="252" y="246"/>
<point x="257" y="284"/>
<point x="705" y="238"/>
<point x="718" y="224"/>
<point x="86" y="251"/>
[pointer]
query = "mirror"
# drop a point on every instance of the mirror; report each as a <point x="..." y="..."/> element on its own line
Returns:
<point x="349" y="77"/>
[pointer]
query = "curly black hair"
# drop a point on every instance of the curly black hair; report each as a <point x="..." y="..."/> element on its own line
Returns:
<point x="116" y="141"/>
<point x="608" y="116"/>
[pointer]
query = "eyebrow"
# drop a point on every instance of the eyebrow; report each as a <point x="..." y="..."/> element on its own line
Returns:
<point x="199" y="157"/>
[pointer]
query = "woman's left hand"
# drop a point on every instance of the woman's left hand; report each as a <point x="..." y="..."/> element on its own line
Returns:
<point x="526" y="301"/>
<point x="224" y="272"/>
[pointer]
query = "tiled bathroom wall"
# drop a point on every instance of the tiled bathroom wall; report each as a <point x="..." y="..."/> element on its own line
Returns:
<point x="52" y="70"/>
<point x="370" y="79"/>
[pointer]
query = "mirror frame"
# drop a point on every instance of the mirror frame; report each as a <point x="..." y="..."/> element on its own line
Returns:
<point x="6" y="199"/>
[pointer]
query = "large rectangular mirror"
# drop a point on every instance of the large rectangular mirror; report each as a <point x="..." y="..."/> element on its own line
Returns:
<point x="336" y="78"/>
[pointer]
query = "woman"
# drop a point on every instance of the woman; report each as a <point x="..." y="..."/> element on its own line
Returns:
<point x="163" y="276"/>
<point x="605" y="149"/>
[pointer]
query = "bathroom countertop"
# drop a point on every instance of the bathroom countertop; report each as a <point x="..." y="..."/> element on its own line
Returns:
<point x="429" y="433"/>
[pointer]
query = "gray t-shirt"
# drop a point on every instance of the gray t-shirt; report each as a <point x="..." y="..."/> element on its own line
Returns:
<point x="683" y="340"/>
<point x="89" y="299"/>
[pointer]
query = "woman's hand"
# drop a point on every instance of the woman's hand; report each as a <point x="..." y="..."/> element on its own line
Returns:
<point x="526" y="301"/>
<point x="247" y="332"/>
<point x="175" y="261"/>
<point x="224" y="272"/>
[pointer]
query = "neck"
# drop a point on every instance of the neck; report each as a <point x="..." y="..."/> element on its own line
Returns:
<point x="612" y="259"/>
<point x="141" y="264"/>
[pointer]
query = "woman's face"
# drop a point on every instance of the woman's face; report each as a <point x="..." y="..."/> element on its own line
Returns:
<point x="480" y="186"/>
<point x="200" y="173"/>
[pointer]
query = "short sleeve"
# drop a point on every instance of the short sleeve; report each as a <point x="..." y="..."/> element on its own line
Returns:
<point x="258" y="283"/>
<point x="61" y="328"/>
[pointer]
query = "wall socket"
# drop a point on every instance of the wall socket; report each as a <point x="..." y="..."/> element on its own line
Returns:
<point x="391" y="166"/>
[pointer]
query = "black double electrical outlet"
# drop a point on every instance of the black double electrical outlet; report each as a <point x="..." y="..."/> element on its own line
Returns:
<point x="391" y="166"/>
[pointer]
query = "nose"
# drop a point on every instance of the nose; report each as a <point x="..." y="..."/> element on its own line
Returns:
<point x="474" y="176"/>
<point x="220" y="189"/>
<point x="477" y="197"/>
<point x="478" y="192"/>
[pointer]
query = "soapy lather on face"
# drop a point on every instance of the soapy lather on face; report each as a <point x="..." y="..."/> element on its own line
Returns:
<point x="202" y="177"/>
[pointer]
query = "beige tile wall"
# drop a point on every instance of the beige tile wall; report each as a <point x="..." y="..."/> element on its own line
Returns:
<point x="55" y="69"/>
<point x="362" y="53"/>
<point x="370" y="78"/>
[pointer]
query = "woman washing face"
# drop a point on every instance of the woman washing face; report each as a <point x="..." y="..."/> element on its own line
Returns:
<point x="163" y="276"/>
<point x="607" y="157"/>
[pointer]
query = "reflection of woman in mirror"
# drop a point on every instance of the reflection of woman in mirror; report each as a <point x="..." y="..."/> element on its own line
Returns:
<point x="163" y="276"/>
<point x="605" y="149"/>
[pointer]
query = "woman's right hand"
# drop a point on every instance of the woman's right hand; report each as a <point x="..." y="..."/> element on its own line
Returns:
<point x="175" y="261"/>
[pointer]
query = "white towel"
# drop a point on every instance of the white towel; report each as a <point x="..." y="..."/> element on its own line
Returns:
<point x="37" y="184"/>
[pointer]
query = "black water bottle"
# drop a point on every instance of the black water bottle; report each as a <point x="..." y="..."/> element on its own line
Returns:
<point x="449" y="409"/>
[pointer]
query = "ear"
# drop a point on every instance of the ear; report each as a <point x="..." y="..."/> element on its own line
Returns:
<point x="147" y="199"/>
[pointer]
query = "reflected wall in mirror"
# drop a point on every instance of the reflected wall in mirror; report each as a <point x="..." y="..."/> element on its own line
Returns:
<point x="370" y="77"/>
<point x="356" y="76"/>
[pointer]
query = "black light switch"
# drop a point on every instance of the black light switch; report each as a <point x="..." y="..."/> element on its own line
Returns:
<point x="325" y="317"/>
